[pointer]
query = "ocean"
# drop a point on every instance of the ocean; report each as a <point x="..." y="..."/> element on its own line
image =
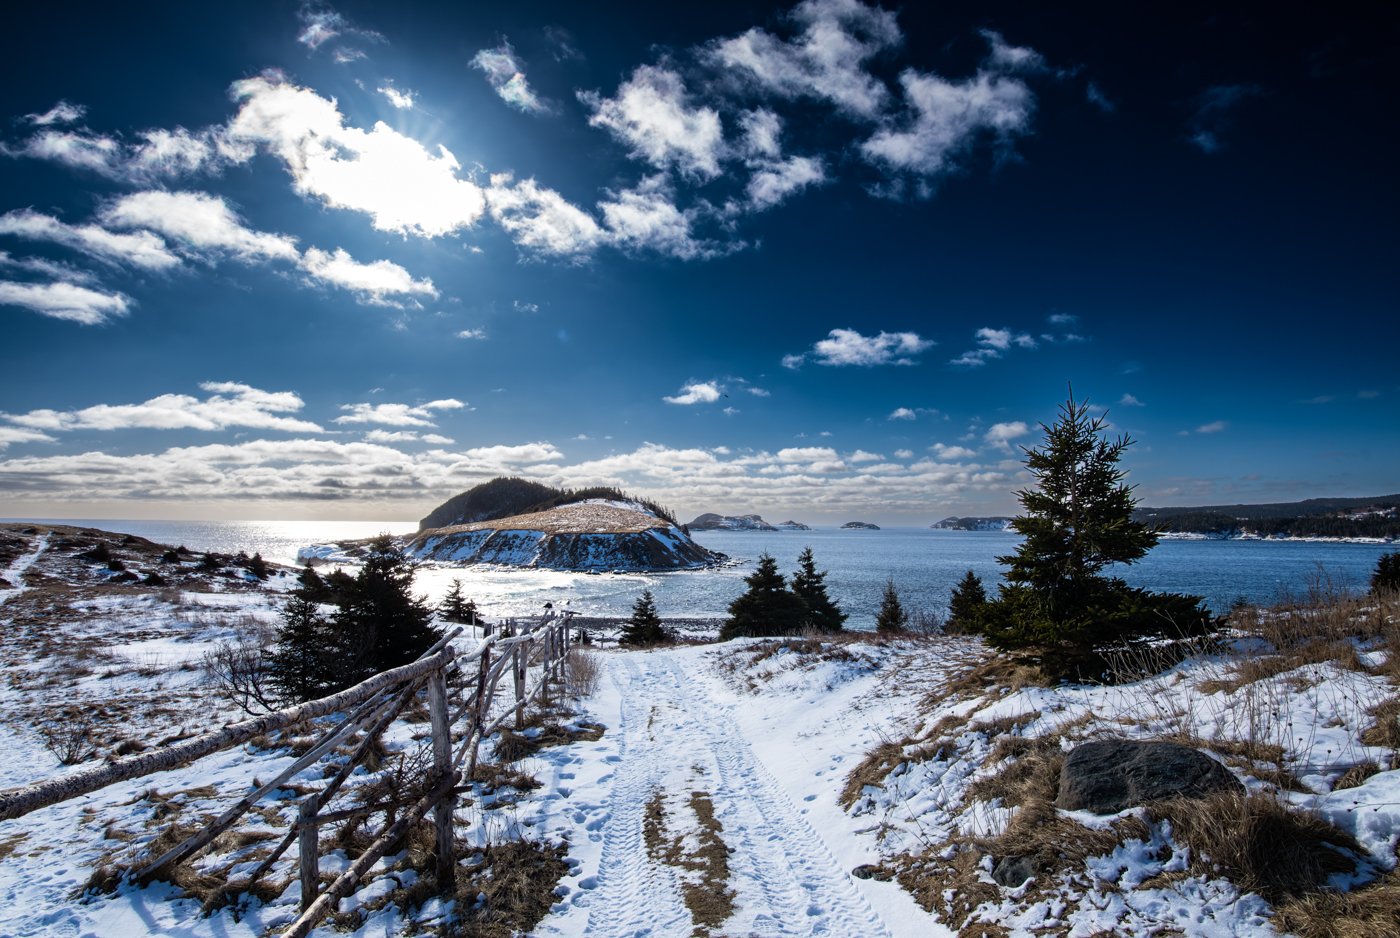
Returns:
<point x="924" y="564"/>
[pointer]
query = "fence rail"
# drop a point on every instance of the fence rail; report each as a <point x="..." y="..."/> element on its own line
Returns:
<point x="369" y="708"/>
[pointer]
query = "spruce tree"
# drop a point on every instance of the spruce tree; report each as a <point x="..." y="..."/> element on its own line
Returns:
<point x="644" y="626"/>
<point x="966" y="602"/>
<point x="455" y="607"/>
<point x="299" y="668"/>
<point x="891" y="617"/>
<point x="1076" y="522"/>
<point x="767" y="608"/>
<point x="380" y="623"/>
<point x="823" y="615"/>
<point x="1386" y="577"/>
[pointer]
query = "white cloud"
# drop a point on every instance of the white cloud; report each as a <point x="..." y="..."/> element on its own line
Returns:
<point x="229" y="404"/>
<point x="826" y="60"/>
<point x="944" y="119"/>
<point x="158" y="154"/>
<point x="1008" y="58"/>
<point x="202" y="222"/>
<point x="902" y="413"/>
<point x="472" y="334"/>
<point x="954" y="453"/>
<point x="9" y="435"/>
<point x="849" y="347"/>
<point x="652" y="114"/>
<point x="761" y="133"/>
<point x="992" y="344"/>
<point x="759" y="392"/>
<point x="794" y="454"/>
<point x="381" y="172"/>
<point x="793" y="362"/>
<point x="405" y="436"/>
<point x="61" y="113"/>
<point x="320" y="24"/>
<point x="55" y="270"/>
<point x="1062" y="319"/>
<point x="506" y="76"/>
<point x="1095" y="96"/>
<point x="403" y="100"/>
<point x="541" y="219"/>
<point x="397" y="415"/>
<point x="1001" y="434"/>
<point x="139" y="249"/>
<point x="1215" y="426"/>
<point x="903" y="454"/>
<point x="705" y="392"/>
<point x="1128" y="400"/>
<point x="1215" y="114"/>
<point x="379" y="282"/>
<point x="774" y="182"/>
<point x="523" y="454"/>
<point x="646" y="217"/>
<point x="861" y="455"/>
<point x="64" y="301"/>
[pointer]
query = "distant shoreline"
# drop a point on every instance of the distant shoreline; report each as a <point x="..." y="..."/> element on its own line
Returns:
<point x="1292" y="538"/>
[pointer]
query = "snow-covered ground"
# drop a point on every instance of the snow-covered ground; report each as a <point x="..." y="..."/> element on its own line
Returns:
<point x="711" y="804"/>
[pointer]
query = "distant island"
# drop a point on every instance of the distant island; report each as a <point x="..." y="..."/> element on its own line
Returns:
<point x="953" y="523"/>
<point x="710" y="521"/>
<point x="793" y="526"/>
<point x="860" y="526"/>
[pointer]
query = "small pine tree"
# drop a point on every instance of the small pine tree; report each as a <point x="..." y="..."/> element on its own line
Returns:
<point x="380" y="623"/>
<point x="966" y="602"/>
<point x="457" y="608"/>
<point x="644" y="626"/>
<point x="767" y="608"/>
<point x="258" y="567"/>
<point x="823" y="615"/>
<point x="891" y="617"/>
<point x="1387" y="574"/>
<point x="299" y="668"/>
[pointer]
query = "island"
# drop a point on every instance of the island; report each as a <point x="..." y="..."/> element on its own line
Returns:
<point x="710" y="521"/>
<point x="860" y="526"/>
<point x="953" y="523"/>
<point x="793" y="526"/>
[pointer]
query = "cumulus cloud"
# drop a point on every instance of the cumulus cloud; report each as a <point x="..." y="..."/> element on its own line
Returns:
<point x="10" y="435"/>
<point x="1215" y="426"/>
<point x="153" y="156"/>
<point x="507" y="78"/>
<point x="759" y="392"/>
<point x="646" y="217"/>
<point x="1128" y="400"/>
<point x="320" y="24"/>
<point x="472" y="334"/>
<point x="992" y="344"/>
<point x="826" y="59"/>
<point x="229" y="404"/>
<point x="202" y="223"/>
<point x="64" y="301"/>
<point x="772" y="183"/>
<point x="1001" y="434"/>
<point x="952" y="453"/>
<point x="652" y="114"/>
<point x="390" y="177"/>
<point x="403" y="100"/>
<point x="699" y="392"/>
<point x="138" y="249"/>
<point x="540" y="219"/>
<point x="397" y="415"/>
<point x="849" y="347"/>
<point x="379" y="282"/>
<point x="902" y="413"/>
<point x="405" y="436"/>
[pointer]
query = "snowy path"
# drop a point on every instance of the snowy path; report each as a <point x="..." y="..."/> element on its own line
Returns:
<point x="15" y="573"/>
<point x="672" y="735"/>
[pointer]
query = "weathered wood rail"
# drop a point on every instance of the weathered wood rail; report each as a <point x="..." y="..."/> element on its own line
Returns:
<point x="369" y="708"/>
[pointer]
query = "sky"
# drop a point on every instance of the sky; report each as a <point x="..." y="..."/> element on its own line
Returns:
<point x="829" y="261"/>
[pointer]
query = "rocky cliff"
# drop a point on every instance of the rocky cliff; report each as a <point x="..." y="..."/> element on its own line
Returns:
<point x="710" y="521"/>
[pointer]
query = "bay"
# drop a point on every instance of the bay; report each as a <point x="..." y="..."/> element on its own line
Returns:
<point x="924" y="564"/>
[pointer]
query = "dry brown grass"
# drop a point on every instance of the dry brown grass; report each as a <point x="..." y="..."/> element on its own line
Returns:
<point x="514" y="746"/>
<point x="706" y="892"/>
<point x="1259" y="843"/>
<point x="1033" y="776"/>
<point x="1386" y="730"/>
<point x="1369" y="911"/>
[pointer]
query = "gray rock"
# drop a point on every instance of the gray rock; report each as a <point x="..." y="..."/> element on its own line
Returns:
<point x="1012" y="872"/>
<point x="1108" y="775"/>
<point x="871" y="871"/>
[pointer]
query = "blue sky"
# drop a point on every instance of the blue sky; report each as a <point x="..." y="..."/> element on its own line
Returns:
<point x="829" y="261"/>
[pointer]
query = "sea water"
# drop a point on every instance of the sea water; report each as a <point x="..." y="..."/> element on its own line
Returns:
<point x="924" y="564"/>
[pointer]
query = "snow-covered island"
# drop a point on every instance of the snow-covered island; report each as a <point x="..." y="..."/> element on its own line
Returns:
<point x="954" y="523"/>
<point x="793" y="526"/>
<point x="710" y="521"/>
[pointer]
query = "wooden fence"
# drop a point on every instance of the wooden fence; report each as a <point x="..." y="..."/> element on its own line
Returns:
<point x="369" y="707"/>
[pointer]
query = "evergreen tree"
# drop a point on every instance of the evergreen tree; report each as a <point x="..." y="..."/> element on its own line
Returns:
<point x="380" y="623"/>
<point x="822" y="615"/>
<point x="1077" y="521"/>
<point x="455" y="607"/>
<point x="965" y="603"/>
<point x="891" y="617"/>
<point x="1387" y="574"/>
<point x="258" y="567"/>
<point x="299" y="668"/>
<point x="767" y="608"/>
<point x="644" y="626"/>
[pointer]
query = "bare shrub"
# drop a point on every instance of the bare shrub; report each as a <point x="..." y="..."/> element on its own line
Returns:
<point x="239" y="671"/>
<point x="924" y="622"/>
<point x="581" y="673"/>
<point x="69" y="735"/>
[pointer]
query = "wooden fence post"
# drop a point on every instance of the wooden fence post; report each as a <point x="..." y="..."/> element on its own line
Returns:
<point x="520" y="664"/>
<point x="442" y="768"/>
<point x="309" y="848"/>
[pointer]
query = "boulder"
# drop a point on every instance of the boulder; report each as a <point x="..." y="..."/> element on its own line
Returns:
<point x="1012" y="872"/>
<point x="1108" y="775"/>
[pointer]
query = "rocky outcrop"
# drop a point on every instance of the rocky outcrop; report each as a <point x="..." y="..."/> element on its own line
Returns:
<point x="587" y="536"/>
<point x="792" y="526"/>
<point x="710" y="521"/>
<point x="1107" y="775"/>
<point x="860" y="526"/>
